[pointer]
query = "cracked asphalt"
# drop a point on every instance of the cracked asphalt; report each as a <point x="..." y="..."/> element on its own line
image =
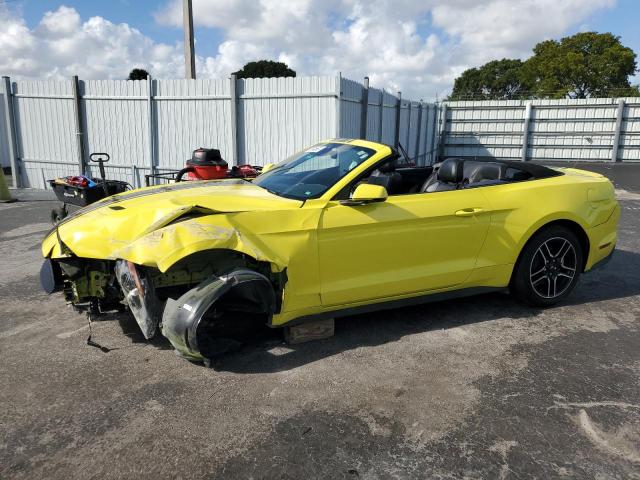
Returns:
<point x="476" y="388"/>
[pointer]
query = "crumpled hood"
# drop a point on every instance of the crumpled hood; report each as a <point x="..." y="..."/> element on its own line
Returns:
<point x="107" y="229"/>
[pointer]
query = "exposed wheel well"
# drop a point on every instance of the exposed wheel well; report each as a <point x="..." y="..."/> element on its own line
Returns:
<point x="575" y="228"/>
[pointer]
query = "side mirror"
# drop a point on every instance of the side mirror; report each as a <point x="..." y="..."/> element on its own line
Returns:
<point x="366" y="193"/>
<point x="267" y="167"/>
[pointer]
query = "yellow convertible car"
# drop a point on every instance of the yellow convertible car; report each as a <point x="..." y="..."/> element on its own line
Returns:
<point x="337" y="229"/>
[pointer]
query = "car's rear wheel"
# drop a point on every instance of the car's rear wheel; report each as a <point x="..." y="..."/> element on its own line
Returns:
<point x="548" y="268"/>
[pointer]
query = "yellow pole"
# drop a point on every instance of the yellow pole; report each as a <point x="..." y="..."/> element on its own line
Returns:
<point x="5" y="196"/>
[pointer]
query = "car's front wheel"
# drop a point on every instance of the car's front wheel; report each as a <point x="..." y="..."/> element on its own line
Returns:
<point x="548" y="268"/>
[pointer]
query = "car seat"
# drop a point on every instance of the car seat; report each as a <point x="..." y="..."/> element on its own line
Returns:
<point x="387" y="177"/>
<point x="448" y="177"/>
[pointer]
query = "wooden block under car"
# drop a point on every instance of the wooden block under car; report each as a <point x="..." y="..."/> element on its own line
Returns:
<point x="307" y="332"/>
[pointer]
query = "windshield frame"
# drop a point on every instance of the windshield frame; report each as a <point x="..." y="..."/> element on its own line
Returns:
<point x="373" y="151"/>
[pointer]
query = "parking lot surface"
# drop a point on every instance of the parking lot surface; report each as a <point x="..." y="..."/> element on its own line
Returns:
<point x="478" y="388"/>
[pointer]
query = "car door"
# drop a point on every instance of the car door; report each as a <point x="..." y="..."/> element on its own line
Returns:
<point x="404" y="245"/>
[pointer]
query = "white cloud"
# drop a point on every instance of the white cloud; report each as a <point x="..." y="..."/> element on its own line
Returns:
<point x="418" y="46"/>
<point x="62" y="45"/>
<point x="394" y="42"/>
<point x="499" y="28"/>
<point x="63" y="22"/>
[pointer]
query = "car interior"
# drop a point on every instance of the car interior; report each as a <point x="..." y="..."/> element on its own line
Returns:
<point x="450" y="174"/>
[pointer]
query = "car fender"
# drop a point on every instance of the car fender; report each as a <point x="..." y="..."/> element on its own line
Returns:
<point x="164" y="247"/>
<point x="550" y="218"/>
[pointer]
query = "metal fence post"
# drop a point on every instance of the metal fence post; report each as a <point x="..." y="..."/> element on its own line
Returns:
<point x="434" y="131"/>
<point x="417" y="150"/>
<point x="381" y="115"/>
<point x="151" y="123"/>
<point x="339" y="105"/>
<point x="11" y="132"/>
<point x="410" y="106"/>
<point x="365" y="107"/>
<point x="77" y="110"/>
<point x="396" y="140"/>
<point x="617" y="131"/>
<point x="442" y="132"/>
<point x="234" y="119"/>
<point x="525" y="131"/>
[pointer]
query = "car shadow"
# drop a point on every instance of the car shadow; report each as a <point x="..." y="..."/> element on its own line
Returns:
<point x="131" y="329"/>
<point x="619" y="279"/>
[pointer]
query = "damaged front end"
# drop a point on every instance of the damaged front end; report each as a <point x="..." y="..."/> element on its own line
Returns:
<point x="87" y="284"/>
<point x="187" y="303"/>
<point x="188" y="322"/>
<point x="159" y="255"/>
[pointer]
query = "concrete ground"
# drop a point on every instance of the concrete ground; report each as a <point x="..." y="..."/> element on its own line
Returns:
<point x="474" y="388"/>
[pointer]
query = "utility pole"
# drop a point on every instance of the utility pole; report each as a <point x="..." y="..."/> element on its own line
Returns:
<point x="189" y="54"/>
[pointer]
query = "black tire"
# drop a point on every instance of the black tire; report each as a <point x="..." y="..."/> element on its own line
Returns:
<point x="548" y="267"/>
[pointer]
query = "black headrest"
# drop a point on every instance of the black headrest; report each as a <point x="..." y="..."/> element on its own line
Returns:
<point x="451" y="170"/>
<point x="485" y="171"/>
<point x="388" y="167"/>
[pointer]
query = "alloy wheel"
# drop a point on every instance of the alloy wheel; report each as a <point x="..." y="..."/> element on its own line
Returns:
<point x="553" y="267"/>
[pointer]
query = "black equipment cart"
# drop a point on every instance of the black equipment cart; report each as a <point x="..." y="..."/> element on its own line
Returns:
<point x="82" y="196"/>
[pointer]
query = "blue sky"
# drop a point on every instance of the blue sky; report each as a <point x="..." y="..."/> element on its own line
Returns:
<point x="137" y="13"/>
<point x="621" y="20"/>
<point x="418" y="46"/>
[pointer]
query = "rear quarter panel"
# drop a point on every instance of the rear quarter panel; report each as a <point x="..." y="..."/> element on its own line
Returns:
<point x="521" y="209"/>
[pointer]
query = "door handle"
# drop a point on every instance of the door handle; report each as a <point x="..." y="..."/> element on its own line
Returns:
<point x="468" y="212"/>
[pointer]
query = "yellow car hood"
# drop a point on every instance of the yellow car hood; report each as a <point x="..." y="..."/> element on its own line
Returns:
<point x="129" y="224"/>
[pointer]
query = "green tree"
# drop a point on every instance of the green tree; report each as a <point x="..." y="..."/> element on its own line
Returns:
<point x="496" y="80"/>
<point x="138" y="74"/>
<point x="587" y="64"/>
<point x="265" y="69"/>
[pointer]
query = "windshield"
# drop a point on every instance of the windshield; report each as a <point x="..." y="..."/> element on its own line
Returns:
<point x="310" y="173"/>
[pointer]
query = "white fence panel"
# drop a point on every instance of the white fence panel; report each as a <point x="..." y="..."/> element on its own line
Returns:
<point x="412" y="128"/>
<point x="5" y="161"/>
<point x="279" y="116"/>
<point x="116" y="121"/>
<point x="45" y="129"/>
<point x="425" y="133"/>
<point x="190" y="114"/>
<point x="630" y="131"/>
<point x="389" y="118"/>
<point x="154" y="125"/>
<point x="374" y="112"/>
<point x="575" y="130"/>
<point x="350" y="108"/>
